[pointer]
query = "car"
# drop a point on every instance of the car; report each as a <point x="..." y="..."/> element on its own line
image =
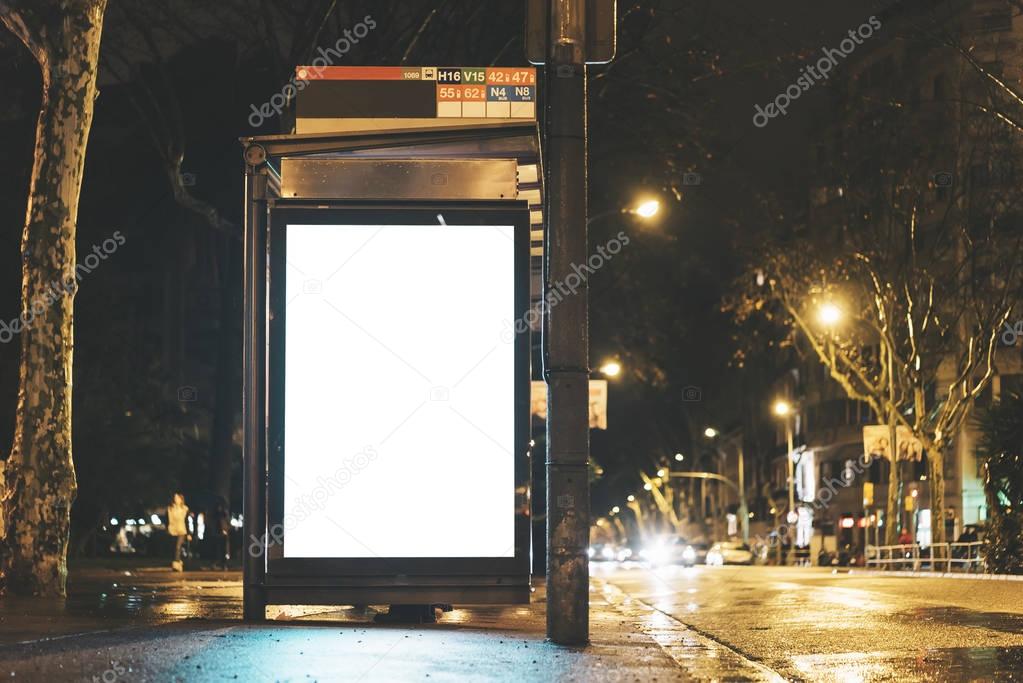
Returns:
<point x="656" y="551"/>
<point x="699" y="553"/>
<point x="666" y="550"/>
<point x="602" y="552"/>
<point x="729" y="552"/>
<point x="624" y="553"/>
<point x="688" y="558"/>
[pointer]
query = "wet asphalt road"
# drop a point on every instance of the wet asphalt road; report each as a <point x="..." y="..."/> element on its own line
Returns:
<point x="706" y="624"/>
<point x="810" y="624"/>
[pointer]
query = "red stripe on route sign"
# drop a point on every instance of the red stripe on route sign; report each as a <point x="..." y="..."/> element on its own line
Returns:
<point x="351" y="73"/>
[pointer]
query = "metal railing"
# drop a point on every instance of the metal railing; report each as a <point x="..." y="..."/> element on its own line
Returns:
<point x="947" y="557"/>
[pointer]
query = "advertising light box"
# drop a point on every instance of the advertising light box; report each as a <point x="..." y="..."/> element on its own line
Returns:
<point x="397" y="384"/>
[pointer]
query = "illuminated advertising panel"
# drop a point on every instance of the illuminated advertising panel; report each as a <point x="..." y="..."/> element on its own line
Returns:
<point x="397" y="386"/>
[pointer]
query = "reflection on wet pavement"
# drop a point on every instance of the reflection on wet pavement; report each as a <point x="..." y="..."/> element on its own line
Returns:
<point x="951" y="664"/>
<point x="1005" y="622"/>
<point x="122" y="599"/>
<point x="817" y="625"/>
<point x="159" y="596"/>
<point x="753" y="622"/>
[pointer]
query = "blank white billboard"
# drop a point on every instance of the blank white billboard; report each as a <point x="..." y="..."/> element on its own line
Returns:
<point x="399" y="391"/>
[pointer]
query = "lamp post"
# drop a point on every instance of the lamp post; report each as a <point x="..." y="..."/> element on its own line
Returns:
<point x="713" y="434"/>
<point x="784" y="410"/>
<point x="565" y="334"/>
<point x="743" y="508"/>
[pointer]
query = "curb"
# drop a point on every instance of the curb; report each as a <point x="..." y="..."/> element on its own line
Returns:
<point x="937" y="575"/>
<point x="702" y="658"/>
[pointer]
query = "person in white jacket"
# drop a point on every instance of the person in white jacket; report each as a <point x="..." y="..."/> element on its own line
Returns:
<point x="177" y="511"/>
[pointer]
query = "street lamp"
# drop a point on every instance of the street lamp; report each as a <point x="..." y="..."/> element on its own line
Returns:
<point x="647" y="209"/>
<point x="679" y="457"/>
<point x="784" y="410"/>
<point x="710" y="432"/>
<point x="631" y="498"/>
<point x="611" y="368"/>
<point x="662" y="472"/>
<point x="829" y="314"/>
<point x="615" y="510"/>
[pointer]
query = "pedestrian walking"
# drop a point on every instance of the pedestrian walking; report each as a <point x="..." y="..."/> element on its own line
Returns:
<point x="177" y="511"/>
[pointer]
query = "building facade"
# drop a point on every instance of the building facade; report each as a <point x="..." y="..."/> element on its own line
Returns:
<point x="920" y="101"/>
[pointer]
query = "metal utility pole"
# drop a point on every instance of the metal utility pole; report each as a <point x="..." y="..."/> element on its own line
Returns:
<point x="892" y="526"/>
<point x="566" y="328"/>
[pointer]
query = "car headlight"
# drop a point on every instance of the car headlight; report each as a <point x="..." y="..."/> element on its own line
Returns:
<point x="607" y="553"/>
<point x="654" y="554"/>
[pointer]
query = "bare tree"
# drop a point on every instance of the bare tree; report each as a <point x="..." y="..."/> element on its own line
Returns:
<point x="922" y="319"/>
<point x="64" y="39"/>
<point x="921" y="248"/>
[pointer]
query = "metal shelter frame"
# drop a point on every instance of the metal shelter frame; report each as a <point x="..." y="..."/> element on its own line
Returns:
<point x="318" y="580"/>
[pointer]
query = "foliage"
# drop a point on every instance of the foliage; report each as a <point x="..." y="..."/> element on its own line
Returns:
<point x="1001" y="453"/>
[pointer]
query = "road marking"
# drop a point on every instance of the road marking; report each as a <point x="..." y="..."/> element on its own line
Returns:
<point x="702" y="657"/>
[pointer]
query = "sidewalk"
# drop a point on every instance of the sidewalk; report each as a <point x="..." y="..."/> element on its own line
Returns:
<point x="160" y="626"/>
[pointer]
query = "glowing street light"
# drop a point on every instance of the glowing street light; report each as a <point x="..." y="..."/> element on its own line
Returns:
<point x="662" y="472"/>
<point x="611" y="368"/>
<point x="645" y="210"/>
<point x="615" y="510"/>
<point x="648" y="209"/>
<point x="782" y="408"/>
<point x="710" y="432"/>
<point x="679" y="457"/>
<point x="648" y="486"/>
<point x="631" y="498"/>
<point x="829" y="314"/>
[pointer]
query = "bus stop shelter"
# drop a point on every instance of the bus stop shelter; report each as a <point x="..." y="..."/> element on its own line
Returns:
<point x="387" y="384"/>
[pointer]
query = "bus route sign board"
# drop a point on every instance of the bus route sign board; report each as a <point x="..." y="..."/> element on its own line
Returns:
<point x="347" y="92"/>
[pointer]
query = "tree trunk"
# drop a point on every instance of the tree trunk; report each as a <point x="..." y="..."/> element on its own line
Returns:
<point x="228" y="372"/>
<point x="228" y="388"/>
<point x="936" y="480"/>
<point x="64" y="38"/>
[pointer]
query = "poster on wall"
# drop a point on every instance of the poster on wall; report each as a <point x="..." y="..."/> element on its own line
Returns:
<point x="598" y="402"/>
